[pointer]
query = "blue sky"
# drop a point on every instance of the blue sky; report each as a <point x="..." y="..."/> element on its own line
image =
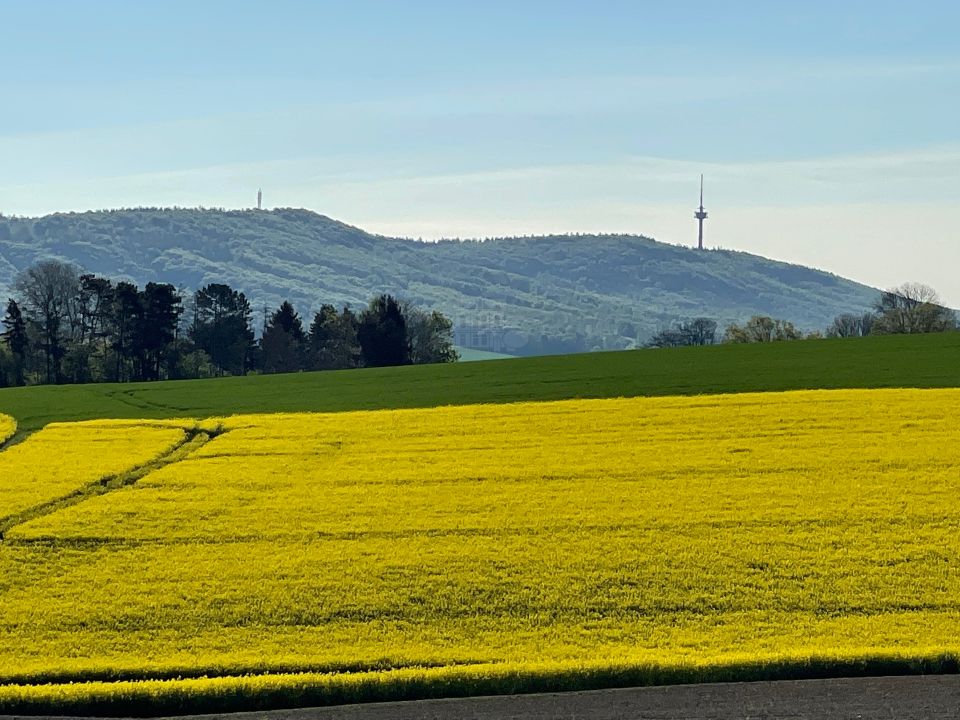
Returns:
<point x="828" y="135"/>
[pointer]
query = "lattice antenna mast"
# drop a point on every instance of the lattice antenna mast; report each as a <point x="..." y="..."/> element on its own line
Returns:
<point x="700" y="214"/>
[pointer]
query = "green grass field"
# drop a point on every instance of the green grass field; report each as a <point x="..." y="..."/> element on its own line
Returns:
<point x="890" y="361"/>
<point x="469" y="355"/>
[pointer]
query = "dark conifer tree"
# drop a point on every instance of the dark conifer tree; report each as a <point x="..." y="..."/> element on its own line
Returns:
<point x="382" y="333"/>
<point x="125" y="314"/>
<point x="15" y="336"/>
<point x="160" y="308"/>
<point x="283" y="345"/>
<point x="95" y="298"/>
<point x="286" y="318"/>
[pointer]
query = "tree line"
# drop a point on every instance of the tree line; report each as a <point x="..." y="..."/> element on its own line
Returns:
<point x="909" y="308"/>
<point x="65" y="326"/>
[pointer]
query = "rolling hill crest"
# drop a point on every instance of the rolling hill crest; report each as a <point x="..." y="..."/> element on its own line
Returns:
<point x="524" y="295"/>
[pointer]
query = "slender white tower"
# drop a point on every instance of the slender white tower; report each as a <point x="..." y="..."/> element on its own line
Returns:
<point x="260" y="199"/>
<point x="700" y="214"/>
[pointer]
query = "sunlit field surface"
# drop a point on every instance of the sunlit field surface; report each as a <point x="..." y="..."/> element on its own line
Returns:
<point x="8" y="426"/>
<point x="403" y="553"/>
<point x="63" y="458"/>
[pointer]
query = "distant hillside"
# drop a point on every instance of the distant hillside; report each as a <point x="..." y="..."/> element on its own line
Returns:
<point x="515" y="295"/>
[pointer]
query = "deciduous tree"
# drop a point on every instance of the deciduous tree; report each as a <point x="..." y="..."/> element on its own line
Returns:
<point x="222" y="327"/>
<point x="851" y="325"/>
<point x="912" y="308"/>
<point x="700" y="331"/>
<point x="333" y="340"/>
<point x="761" y="328"/>
<point x="47" y="292"/>
<point x="430" y="335"/>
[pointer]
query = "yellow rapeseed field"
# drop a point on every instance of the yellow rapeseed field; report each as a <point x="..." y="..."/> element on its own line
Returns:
<point x="63" y="458"/>
<point x="651" y="539"/>
<point x="8" y="426"/>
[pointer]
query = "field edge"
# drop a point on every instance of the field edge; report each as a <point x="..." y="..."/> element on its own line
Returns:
<point x="154" y="698"/>
<point x="8" y="429"/>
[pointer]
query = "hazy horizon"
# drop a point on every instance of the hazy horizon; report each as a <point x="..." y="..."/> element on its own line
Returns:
<point x="827" y="135"/>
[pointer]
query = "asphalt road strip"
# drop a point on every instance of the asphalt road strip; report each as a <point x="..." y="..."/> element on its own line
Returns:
<point x="929" y="697"/>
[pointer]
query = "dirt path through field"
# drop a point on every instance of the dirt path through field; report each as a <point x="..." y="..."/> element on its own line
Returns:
<point x="897" y="698"/>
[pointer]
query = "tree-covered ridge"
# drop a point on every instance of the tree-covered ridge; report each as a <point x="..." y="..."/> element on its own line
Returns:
<point x="522" y="295"/>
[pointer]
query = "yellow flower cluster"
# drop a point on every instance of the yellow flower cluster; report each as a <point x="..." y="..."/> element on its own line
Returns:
<point x="8" y="426"/>
<point x="63" y="458"/>
<point x="653" y="533"/>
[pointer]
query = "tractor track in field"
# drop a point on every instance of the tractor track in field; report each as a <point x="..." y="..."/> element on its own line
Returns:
<point x="924" y="697"/>
<point x="193" y="439"/>
<point x="132" y="398"/>
<point x="11" y="440"/>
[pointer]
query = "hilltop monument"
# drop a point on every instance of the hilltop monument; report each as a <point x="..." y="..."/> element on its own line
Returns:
<point x="700" y="214"/>
<point x="260" y="199"/>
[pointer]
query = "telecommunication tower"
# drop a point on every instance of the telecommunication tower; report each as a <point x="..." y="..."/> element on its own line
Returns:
<point x="700" y="214"/>
<point x="260" y="199"/>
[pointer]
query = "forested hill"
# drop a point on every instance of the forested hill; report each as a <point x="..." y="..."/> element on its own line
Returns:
<point x="519" y="295"/>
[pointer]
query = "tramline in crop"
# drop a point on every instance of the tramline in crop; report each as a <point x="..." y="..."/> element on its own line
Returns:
<point x="64" y="457"/>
